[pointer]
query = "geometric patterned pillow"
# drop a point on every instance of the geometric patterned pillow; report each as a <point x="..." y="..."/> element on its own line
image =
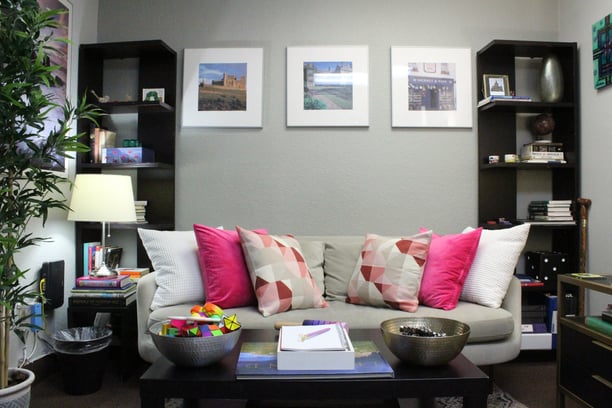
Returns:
<point x="388" y="272"/>
<point x="280" y="276"/>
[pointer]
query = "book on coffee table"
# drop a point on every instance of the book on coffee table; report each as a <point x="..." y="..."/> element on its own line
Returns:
<point x="258" y="360"/>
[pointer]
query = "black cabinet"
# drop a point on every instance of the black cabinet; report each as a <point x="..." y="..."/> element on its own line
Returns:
<point x="118" y="72"/>
<point x="506" y="188"/>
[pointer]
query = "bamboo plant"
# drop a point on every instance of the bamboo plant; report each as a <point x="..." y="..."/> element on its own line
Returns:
<point x="27" y="191"/>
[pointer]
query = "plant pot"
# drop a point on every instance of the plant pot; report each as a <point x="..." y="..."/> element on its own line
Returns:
<point x="18" y="395"/>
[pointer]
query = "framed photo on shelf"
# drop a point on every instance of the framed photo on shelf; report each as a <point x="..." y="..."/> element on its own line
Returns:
<point x="153" y="95"/>
<point x="223" y="87"/>
<point x="431" y="87"/>
<point x="327" y="86"/>
<point x="495" y="85"/>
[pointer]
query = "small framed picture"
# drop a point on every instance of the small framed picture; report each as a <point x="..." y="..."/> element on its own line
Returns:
<point x="153" y="95"/>
<point x="495" y="85"/>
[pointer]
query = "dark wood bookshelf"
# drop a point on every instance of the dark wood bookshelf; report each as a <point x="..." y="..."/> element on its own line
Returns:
<point x="501" y="185"/>
<point x="153" y="64"/>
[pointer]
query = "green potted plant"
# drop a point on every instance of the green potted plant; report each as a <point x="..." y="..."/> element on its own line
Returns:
<point x="27" y="191"/>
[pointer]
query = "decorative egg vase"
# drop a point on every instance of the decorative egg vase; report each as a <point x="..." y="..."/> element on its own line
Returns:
<point x="551" y="79"/>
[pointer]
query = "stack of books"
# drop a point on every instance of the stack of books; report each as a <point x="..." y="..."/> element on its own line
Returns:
<point x="112" y="291"/>
<point x="141" y="210"/>
<point x="551" y="211"/>
<point x="133" y="273"/>
<point x="542" y="152"/>
<point x="512" y="98"/>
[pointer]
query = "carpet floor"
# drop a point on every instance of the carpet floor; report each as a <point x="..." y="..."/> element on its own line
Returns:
<point x="529" y="381"/>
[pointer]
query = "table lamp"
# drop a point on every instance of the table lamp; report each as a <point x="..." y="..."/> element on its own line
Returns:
<point x="102" y="198"/>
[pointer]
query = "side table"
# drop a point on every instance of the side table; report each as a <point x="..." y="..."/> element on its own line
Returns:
<point x="123" y="319"/>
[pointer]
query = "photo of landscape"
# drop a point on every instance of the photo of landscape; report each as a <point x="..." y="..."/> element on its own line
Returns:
<point x="222" y="87"/>
<point x="328" y="85"/>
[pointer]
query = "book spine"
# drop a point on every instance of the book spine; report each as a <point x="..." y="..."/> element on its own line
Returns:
<point x="99" y="301"/>
<point x="99" y="283"/>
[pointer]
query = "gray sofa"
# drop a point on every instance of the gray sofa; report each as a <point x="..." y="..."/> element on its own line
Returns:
<point x="495" y="335"/>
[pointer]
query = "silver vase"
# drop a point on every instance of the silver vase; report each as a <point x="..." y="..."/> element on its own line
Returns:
<point x="551" y="79"/>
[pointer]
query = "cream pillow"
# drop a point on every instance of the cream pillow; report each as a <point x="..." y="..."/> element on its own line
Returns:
<point x="493" y="267"/>
<point x="174" y="255"/>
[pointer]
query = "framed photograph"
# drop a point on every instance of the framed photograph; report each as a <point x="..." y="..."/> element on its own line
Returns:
<point x="153" y="95"/>
<point x="61" y="90"/>
<point x="431" y="87"/>
<point x="495" y="85"/>
<point x="327" y="86"/>
<point x="223" y="87"/>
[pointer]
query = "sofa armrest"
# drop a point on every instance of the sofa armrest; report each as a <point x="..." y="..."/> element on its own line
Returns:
<point x="145" y="290"/>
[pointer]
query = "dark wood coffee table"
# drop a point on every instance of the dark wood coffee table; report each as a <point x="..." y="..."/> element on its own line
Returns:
<point x="460" y="377"/>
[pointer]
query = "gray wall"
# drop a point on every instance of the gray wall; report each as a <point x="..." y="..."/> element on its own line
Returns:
<point x="327" y="180"/>
<point x="575" y="22"/>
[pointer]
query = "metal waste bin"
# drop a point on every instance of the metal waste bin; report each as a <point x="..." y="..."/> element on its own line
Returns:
<point x="82" y="354"/>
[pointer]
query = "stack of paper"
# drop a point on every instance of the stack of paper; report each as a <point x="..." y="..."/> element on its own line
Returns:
<point x="322" y="347"/>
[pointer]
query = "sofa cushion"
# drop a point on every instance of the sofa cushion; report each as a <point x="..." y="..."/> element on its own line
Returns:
<point x="224" y="272"/>
<point x="388" y="272"/>
<point x="314" y="252"/>
<point x="494" y="263"/>
<point x="448" y="263"/>
<point x="174" y="255"/>
<point x="341" y="254"/>
<point x="279" y="273"/>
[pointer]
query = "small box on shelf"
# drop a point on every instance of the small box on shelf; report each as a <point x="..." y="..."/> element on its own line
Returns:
<point x="118" y="155"/>
<point x="545" y="266"/>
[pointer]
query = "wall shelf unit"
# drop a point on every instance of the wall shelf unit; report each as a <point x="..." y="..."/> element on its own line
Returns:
<point x="505" y="189"/>
<point x="120" y="71"/>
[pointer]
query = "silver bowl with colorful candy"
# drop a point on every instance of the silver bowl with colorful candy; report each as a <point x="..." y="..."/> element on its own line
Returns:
<point x="201" y="339"/>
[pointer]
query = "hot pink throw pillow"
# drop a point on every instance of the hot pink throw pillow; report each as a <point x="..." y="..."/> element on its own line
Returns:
<point x="449" y="261"/>
<point x="224" y="272"/>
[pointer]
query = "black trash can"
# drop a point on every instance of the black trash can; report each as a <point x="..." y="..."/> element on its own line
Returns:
<point x="82" y="354"/>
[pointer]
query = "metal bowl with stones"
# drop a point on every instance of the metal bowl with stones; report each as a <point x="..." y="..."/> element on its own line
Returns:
<point x="436" y="341"/>
<point x="194" y="351"/>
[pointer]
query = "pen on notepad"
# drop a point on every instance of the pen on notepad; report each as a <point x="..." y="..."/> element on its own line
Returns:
<point x="304" y="337"/>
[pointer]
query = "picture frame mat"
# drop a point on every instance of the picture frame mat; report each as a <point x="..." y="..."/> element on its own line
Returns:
<point x="401" y="56"/>
<point x="298" y="116"/>
<point x="252" y="117"/>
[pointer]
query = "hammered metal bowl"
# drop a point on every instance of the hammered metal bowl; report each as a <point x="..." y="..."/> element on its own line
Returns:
<point x="194" y="351"/>
<point x="425" y="351"/>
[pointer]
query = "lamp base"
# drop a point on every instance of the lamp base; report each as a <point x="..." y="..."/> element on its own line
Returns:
<point x="104" y="272"/>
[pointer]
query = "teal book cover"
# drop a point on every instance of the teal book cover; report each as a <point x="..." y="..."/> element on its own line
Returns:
<point x="257" y="360"/>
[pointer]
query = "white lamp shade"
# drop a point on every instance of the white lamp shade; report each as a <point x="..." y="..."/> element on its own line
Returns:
<point x="102" y="198"/>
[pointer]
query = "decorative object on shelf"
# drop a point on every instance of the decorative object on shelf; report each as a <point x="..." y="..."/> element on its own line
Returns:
<point x="223" y="87"/>
<point x="584" y="204"/>
<point x="153" y="94"/>
<point x="551" y="79"/>
<point x="425" y="350"/>
<point x="102" y="198"/>
<point x="431" y="87"/>
<point x="328" y="86"/>
<point x="495" y="85"/>
<point x="602" y="65"/>
<point x="542" y="127"/>
<point x="101" y="99"/>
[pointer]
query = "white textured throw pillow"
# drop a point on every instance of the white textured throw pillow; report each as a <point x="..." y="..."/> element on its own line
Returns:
<point x="493" y="266"/>
<point x="174" y="255"/>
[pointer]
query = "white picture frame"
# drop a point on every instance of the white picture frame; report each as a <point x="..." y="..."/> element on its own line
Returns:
<point x="200" y="66"/>
<point x="431" y="87"/>
<point x="310" y="104"/>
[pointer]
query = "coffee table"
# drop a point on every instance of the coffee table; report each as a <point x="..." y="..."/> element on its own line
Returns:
<point x="460" y="377"/>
